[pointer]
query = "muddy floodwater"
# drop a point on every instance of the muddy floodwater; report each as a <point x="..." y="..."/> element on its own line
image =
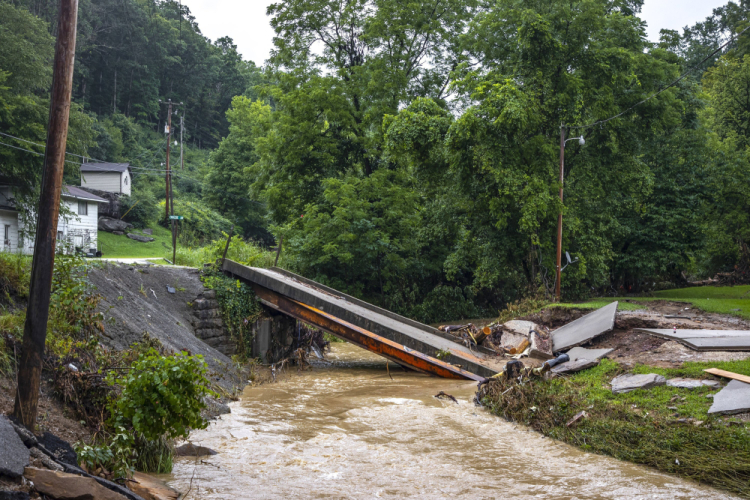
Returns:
<point x="346" y="430"/>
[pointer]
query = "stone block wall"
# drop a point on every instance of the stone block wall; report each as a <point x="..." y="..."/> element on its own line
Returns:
<point x="208" y="325"/>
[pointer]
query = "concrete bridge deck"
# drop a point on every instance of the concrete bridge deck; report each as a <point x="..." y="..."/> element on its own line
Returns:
<point x="394" y="337"/>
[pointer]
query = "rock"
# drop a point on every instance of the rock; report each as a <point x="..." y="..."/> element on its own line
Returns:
<point x="193" y="450"/>
<point x="138" y="237"/>
<point x="46" y="461"/>
<point x="151" y="488"/>
<point x="61" y="449"/>
<point x="148" y="231"/>
<point x="692" y="383"/>
<point x="118" y="233"/>
<point x="14" y="495"/>
<point x="64" y="486"/>
<point x="627" y="383"/>
<point x="110" y="225"/>
<point x="734" y="398"/>
<point x="575" y="366"/>
<point x="14" y="455"/>
<point x="214" y="408"/>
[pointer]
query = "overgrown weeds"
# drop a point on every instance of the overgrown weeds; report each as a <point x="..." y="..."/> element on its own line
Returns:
<point x="245" y="252"/>
<point x="638" y="426"/>
<point x="522" y="307"/>
<point x="15" y="272"/>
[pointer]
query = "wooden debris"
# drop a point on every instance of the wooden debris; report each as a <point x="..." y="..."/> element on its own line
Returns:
<point x="442" y="395"/>
<point x="578" y="416"/>
<point x="726" y="374"/>
<point x="520" y="347"/>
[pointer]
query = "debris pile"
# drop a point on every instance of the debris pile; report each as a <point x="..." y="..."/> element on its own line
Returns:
<point x="48" y="466"/>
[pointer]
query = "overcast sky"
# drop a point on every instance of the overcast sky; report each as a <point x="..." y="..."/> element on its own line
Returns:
<point x="246" y="21"/>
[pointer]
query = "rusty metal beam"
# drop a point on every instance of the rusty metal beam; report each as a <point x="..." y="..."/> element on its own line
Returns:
<point x="372" y="342"/>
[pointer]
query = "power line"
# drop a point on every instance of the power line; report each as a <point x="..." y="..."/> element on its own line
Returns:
<point x="600" y="122"/>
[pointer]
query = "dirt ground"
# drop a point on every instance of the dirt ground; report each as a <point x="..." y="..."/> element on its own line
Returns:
<point x="53" y="415"/>
<point x="631" y="347"/>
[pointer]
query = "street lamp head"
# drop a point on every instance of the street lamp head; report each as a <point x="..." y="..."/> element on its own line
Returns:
<point x="581" y="141"/>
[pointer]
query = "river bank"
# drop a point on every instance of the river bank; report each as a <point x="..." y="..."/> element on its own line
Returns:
<point x="346" y="429"/>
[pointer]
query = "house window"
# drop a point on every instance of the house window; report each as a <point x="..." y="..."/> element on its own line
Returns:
<point x="6" y="235"/>
<point x="126" y="181"/>
<point x="83" y="208"/>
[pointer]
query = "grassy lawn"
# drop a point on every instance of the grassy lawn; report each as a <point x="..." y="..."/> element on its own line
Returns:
<point x="734" y="300"/>
<point x="648" y="427"/>
<point x="113" y="245"/>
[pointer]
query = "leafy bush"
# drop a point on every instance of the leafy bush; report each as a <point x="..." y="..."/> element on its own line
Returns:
<point x="162" y="396"/>
<point x="244" y="252"/>
<point x="200" y="224"/>
<point x="239" y="309"/>
<point x="74" y="300"/>
<point x="15" y="274"/>
<point x="140" y="210"/>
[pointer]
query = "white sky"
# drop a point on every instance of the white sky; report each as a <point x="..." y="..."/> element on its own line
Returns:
<point x="246" y="21"/>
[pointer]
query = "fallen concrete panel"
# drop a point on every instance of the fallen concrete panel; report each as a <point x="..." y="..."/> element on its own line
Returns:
<point x="584" y="328"/>
<point x="575" y="366"/>
<point x="583" y="353"/>
<point x="734" y="398"/>
<point x="705" y="340"/>
<point x="627" y="383"/>
<point x="692" y="383"/>
<point x="373" y="328"/>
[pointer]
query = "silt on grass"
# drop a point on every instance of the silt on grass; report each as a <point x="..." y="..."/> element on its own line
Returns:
<point x="637" y="426"/>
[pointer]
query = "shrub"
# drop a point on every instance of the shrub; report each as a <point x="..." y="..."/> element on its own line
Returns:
<point x="140" y="210"/>
<point x="15" y="274"/>
<point x="244" y="252"/>
<point x="161" y="399"/>
<point x="200" y="224"/>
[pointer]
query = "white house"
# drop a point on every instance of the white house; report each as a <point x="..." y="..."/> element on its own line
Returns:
<point x="111" y="177"/>
<point x="78" y="228"/>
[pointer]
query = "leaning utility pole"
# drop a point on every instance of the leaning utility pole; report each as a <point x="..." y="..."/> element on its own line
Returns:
<point x="37" y="312"/>
<point x="167" y="177"/>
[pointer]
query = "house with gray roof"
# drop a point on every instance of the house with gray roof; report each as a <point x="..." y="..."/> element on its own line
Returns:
<point x="76" y="228"/>
<point x="110" y="177"/>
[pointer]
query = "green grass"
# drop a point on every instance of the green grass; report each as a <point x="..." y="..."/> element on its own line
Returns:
<point x="596" y="303"/>
<point x="734" y="300"/>
<point x="114" y="246"/>
<point x="638" y="426"/>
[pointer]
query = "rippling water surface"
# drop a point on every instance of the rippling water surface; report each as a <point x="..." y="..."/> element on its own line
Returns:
<point x="346" y="430"/>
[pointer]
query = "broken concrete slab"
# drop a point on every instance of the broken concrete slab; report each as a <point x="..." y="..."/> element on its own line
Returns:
<point x="630" y="382"/>
<point x="520" y="327"/>
<point x="692" y="383"/>
<point x="64" y="486"/>
<point x="14" y="455"/>
<point x="509" y="340"/>
<point x="584" y="328"/>
<point x="704" y="340"/>
<point x="575" y="366"/>
<point x="583" y="353"/>
<point x="734" y="398"/>
<point x="541" y="346"/>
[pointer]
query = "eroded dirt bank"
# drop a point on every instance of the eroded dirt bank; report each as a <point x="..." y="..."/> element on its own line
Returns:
<point x="347" y="430"/>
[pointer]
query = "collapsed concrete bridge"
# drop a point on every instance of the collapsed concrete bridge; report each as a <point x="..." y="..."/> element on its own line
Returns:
<point x="399" y="339"/>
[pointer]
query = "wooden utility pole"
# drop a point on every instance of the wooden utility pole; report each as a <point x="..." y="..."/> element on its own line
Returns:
<point x="37" y="312"/>
<point x="167" y="177"/>
<point x="559" y="216"/>
<point x="182" y="126"/>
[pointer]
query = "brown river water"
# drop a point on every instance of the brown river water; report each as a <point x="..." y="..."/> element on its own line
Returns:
<point x="346" y="430"/>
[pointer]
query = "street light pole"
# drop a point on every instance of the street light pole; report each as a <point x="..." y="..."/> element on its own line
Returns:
<point x="559" y="215"/>
<point x="563" y="140"/>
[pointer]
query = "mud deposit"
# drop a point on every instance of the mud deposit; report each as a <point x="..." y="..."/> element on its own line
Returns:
<point x="346" y="430"/>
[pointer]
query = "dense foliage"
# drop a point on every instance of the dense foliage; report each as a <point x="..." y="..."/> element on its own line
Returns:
<point x="408" y="151"/>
